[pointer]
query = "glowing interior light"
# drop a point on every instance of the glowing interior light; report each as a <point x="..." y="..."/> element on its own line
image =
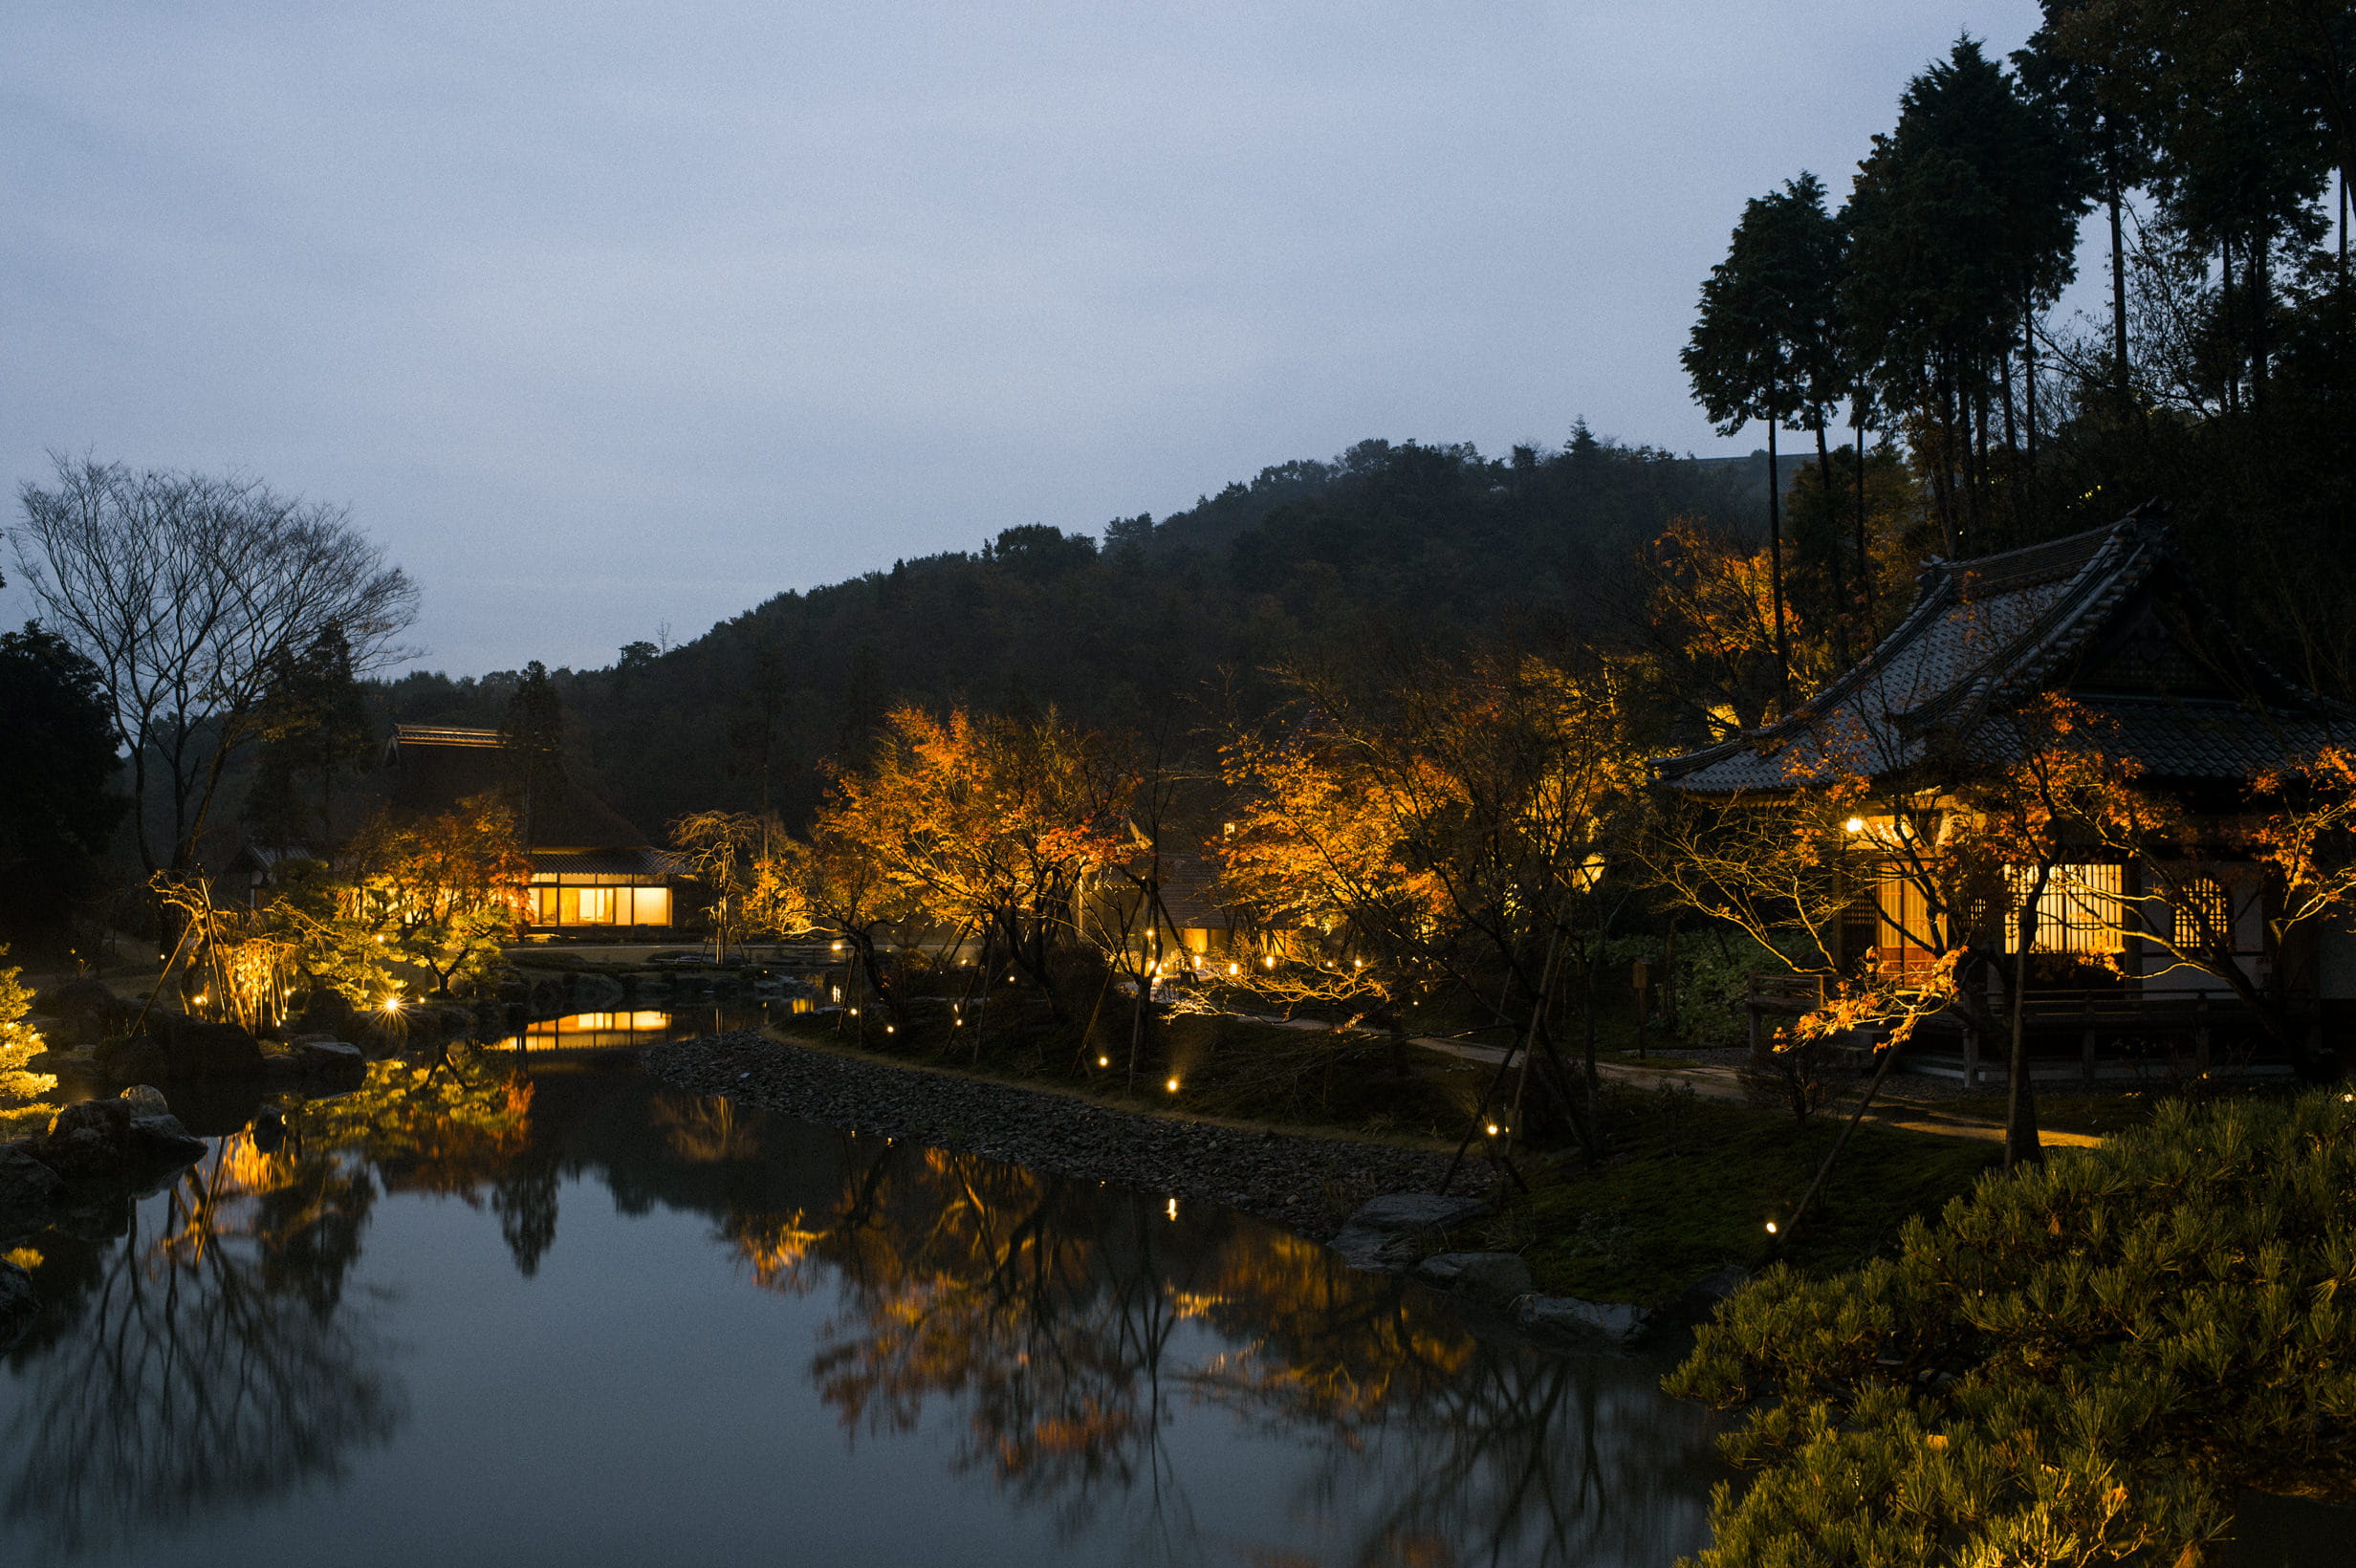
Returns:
<point x="1270" y="960"/>
<point x="1234" y="969"/>
<point x="1855" y="824"/>
<point x="392" y="1004"/>
<point x="1492" y="1129"/>
<point x="1173" y="1208"/>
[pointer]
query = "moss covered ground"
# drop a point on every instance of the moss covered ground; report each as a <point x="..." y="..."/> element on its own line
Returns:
<point x="1691" y="1185"/>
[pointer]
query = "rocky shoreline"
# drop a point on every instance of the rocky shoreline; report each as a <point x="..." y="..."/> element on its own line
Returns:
<point x="1306" y="1183"/>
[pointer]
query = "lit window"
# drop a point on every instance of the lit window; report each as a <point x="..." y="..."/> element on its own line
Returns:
<point x="2082" y="909"/>
<point x="2203" y="914"/>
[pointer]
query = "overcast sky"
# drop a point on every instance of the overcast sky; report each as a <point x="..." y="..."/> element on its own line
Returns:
<point x="605" y="317"/>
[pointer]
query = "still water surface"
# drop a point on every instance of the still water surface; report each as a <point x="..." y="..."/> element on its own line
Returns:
<point x="534" y="1308"/>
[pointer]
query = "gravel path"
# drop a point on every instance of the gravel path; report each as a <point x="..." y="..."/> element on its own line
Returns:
<point x="1304" y="1182"/>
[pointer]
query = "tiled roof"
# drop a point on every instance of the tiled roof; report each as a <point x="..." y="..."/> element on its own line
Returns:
<point x="1985" y="634"/>
<point x="635" y="862"/>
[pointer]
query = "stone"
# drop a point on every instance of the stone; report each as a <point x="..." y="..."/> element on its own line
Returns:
<point x="1491" y="1276"/>
<point x="331" y="1060"/>
<point x="162" y="1142"/>
<point x="86" y="1012"/>
<point x="194" y="1047"/>
<point x="29" y="1193"/>
<point x="146" y="1100"/>
<point x="1568" y="1319"/>
<point x="19" y="1303"/>
<point x="328" y="1011"/>
<point x="107" y="1137"/>
<point x="1382" y="1233"/>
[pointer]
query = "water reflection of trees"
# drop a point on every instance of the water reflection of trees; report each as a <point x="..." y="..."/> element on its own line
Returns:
<point x="209" y="1355"/>
<point x="1065" y="1322"/>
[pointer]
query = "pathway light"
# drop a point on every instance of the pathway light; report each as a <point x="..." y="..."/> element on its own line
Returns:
<point x="1103" y="1061"/>
<point x="1173" y="1086"/>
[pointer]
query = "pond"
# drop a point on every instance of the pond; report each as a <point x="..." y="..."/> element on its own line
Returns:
<point x="525" y="1307"/>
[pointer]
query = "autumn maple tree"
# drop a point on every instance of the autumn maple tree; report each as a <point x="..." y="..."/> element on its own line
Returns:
<point x="446" y="890"/>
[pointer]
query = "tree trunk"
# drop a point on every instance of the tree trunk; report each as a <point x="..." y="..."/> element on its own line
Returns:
<point x="1775" y="572"/>
<point x="1832" y="536"/>
<point x="1864" y="552"/>
<point x="2020" y="1141"/>
<point x="2121" y="385"/>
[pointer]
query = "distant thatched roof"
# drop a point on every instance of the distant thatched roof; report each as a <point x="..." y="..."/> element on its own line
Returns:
<point x="430" y="768"/>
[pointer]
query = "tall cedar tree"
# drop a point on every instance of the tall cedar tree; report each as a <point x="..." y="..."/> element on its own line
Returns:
<point x="1962" y="227"/>
<point x="532" y="730"/>
<point x="314" y="724"/>
<point x="1763" y="347"/>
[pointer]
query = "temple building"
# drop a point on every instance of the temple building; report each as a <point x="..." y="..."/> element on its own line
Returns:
<point x="592" y="870"/>
<point x="2112" y="619"/>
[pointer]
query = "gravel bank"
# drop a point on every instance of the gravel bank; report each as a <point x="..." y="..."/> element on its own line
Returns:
<point x="1305" y="1184"/>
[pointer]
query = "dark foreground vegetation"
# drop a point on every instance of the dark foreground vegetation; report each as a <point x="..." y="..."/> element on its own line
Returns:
<point x="2089" y="1362"/>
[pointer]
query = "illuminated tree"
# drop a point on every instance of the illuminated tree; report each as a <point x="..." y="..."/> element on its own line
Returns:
<point x="19" y="1088"/>
<point x="834" y="882"/>
<point x="1445" y="829"/>
<point x="723" y="848"/>
<point x="992" y="824"/>
<point x="447" y="890"/>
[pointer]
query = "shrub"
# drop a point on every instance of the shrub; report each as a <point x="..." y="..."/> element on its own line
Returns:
<point x="2082" y="1363"/>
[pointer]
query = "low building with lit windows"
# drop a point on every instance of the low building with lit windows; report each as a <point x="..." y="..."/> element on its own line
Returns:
<point x="593" y="872"/>
<point x="2112" y="620"/>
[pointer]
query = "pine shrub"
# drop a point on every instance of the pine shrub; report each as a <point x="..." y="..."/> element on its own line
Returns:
<point x="2079" y="1364"/>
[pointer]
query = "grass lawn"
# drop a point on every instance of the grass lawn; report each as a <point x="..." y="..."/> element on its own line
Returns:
<point x="1691" y="1185"/>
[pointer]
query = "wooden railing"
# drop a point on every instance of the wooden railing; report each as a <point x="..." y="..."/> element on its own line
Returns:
<point x="2094" y="1015"/>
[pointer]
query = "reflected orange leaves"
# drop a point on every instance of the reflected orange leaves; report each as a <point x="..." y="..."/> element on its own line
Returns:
<point x="1062" y="1320"/>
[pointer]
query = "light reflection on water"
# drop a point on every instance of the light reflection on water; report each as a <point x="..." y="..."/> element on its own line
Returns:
<point x="482" y="1315"/>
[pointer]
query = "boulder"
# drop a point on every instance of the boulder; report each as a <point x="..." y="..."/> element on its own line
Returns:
<point x="1566" y="1319"/>
<point x="328" y="1011"/>
<point x="109" y="1138"/>
<point x="146" y="1100"/>
<point x="29" y="1193"/>
<point x="85" y="1012"/>
<point x="19" y="1303"/>
<point x="1382" y="1234"/>
<point x="1491" y="1276"/>
<point x="193" y="1046"/>
<point x="332" y="1060"/>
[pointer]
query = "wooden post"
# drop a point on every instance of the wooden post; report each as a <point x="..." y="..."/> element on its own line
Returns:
<point x="2201" y="1033"/>
<point x="1971" y="1058"/>
<point x="1641" y="976"/>
<point x="1749" y="1012"/>
<point x="2087" y="1045"/>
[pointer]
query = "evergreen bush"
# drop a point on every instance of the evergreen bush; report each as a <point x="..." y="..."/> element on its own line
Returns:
<point x="2082" y="1363"/>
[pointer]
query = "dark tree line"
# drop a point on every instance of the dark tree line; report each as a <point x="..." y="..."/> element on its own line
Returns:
<point x="2212" y="142"/>
<point x="1308" y="556"/>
